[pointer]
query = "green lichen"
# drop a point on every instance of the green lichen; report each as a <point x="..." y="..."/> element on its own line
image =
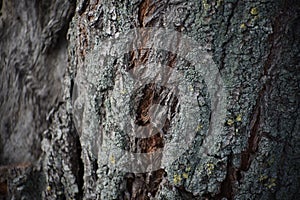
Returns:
<point x="254" y="11"/>
<point x="205" y="4"/>
<point x="199" y="127"/>
<point x="230" y="122"/>
<point x="112" y="159"/>
<point x="243" y="26"/>
<point x="185" y="175"/>
<point x="123" y="92"/>
<point x="271" y="183"/>
<point x="219" y="3"/>
<point x="238" y="118"/>
<point x="209" y="168"/>
<point x="262" y="177"/>
<point x="177" y="178"/>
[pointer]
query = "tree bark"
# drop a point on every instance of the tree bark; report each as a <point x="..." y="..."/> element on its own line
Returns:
<point x="77" y="107"/>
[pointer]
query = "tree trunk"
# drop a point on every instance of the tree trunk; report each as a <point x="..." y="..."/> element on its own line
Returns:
<point x="149" y="99"/>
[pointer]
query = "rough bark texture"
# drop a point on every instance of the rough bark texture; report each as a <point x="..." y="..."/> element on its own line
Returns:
<point x="50" y="123"/>
<point x="33" y="49"/>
